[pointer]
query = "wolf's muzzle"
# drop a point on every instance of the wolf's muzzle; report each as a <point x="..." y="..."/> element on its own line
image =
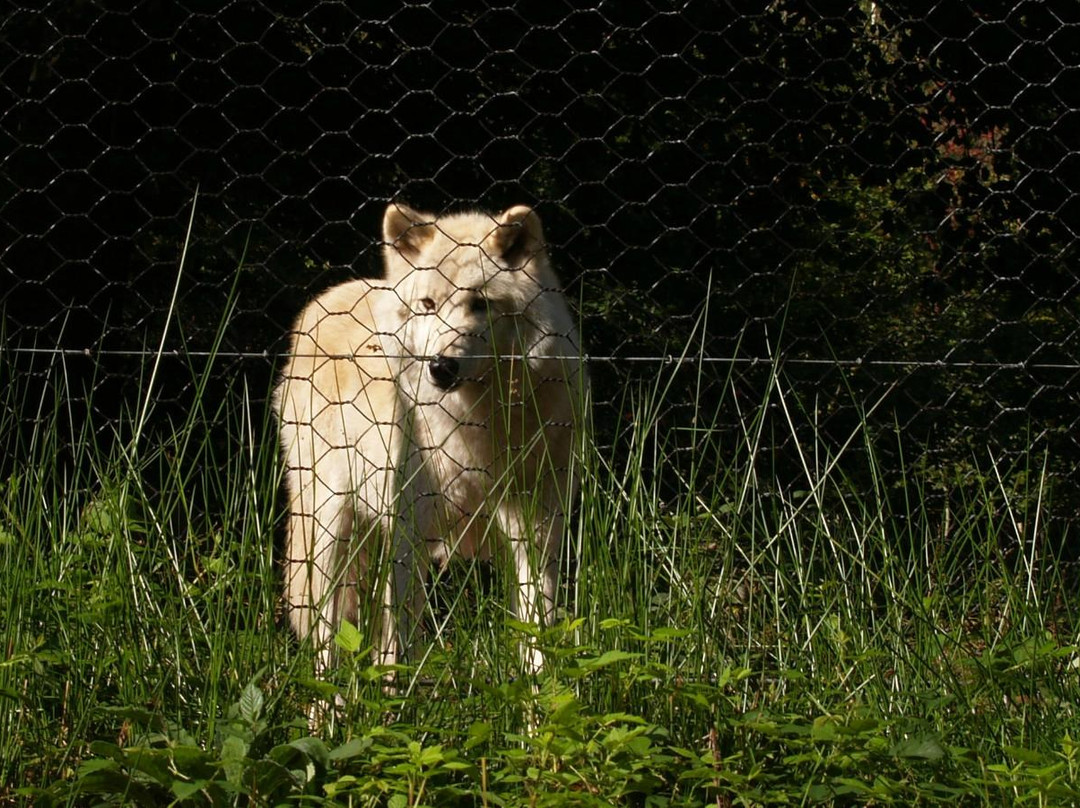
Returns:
<point x="444" y="372"/>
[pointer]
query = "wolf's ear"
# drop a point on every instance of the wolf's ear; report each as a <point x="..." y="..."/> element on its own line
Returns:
<point x="405" y="231"/>
<point x="519" y="236"/>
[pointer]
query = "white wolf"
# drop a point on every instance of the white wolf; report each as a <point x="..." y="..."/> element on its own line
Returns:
<point x="430" y="413"/>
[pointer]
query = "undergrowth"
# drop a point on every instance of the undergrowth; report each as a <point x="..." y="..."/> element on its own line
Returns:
<point x="729" y="634"/>
<point x="724" y="640"/>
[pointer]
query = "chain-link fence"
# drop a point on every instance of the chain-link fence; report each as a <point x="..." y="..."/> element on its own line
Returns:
<point x="883" y="198"/>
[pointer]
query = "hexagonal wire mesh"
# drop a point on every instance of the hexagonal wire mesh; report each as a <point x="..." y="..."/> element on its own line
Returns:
<point x="884" y="196"/>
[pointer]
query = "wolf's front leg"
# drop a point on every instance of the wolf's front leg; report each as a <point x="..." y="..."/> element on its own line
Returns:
<point x="398" y="572"/>
<point x="403" y="600"/>
<point x="320" y="523"/>
<point x="536" y="567"/>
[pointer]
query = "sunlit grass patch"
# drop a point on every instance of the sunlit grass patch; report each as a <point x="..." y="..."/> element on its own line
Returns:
<point x="730" y="633"/>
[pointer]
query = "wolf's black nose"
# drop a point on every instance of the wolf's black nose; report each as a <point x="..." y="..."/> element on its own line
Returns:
<point x="444" y="372"/>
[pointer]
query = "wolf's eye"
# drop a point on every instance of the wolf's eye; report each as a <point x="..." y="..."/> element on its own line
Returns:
<point x="478" y="304"/>
<point x="427" y="303"/>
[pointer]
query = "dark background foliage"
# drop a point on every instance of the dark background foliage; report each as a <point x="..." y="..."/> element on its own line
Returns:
<point x="880" y="193"/>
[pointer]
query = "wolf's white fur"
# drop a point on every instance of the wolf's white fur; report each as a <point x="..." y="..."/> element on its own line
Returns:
<point x="428" y="414"/>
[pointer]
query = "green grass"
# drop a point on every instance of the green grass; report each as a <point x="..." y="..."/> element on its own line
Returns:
<point x="727" y="640"/>
<point x="729" y="637"/>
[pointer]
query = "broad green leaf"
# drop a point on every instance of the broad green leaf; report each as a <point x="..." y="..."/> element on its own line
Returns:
<point x="106" y="749"/>
<point x="823" y="728"/>
<point x="858" y="726"/>
<point x="314" y="749"/>
<point x="479" y="732"/>
<point x="607" y="658"/>
<point x="528" y="629"/>
<point x="233" y="752"/>
<point x="431" y="755"/>
<point x="251" y="703"/>
<point x="926" y="748"/>
<point x="350" y="748"/>
<point x="183" y="790"/>
<point x="1024" y="754"/>
<point x="97" y="764"/>
<point x="234" y="748"/>
<point x="349" y="638"/>
<point x="629" y="718"/>
<point x="667" y="633"/>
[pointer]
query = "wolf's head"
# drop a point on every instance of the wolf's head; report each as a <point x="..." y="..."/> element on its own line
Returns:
<point x="474" y="289"/>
